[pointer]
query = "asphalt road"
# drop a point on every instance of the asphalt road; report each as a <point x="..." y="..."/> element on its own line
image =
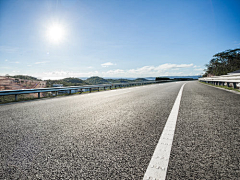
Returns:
<point x="207" y="138"/>
<point x="113" y="134"/>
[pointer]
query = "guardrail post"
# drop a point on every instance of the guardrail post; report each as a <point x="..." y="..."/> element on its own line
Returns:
<point x="56" y="93"/>
<point x="98" y="89"/>
<point x="104" y="88"/>
<point x="70" y="92"/>
<point x="90" y="90"/>
<point x="38" y="95"/>
<point x="228" y="84"/>
<point x="16" y="97"/>
<point x="234" y="85"/>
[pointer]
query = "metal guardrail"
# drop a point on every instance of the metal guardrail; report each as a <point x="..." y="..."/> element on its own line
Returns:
<point x="70" y="88"/>
<point x="229" y="80"/>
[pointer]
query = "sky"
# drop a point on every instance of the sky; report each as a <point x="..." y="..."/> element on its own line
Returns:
<point x="114" y="38"/>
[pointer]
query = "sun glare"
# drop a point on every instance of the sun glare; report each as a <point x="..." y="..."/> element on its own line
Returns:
<point x="55" y="33"/>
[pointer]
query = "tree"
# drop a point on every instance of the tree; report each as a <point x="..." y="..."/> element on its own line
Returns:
<point x="223" y="63"/>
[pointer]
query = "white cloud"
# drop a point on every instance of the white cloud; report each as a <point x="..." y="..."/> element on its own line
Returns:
<point x="200" y="69"/>
<point x="151" y="70"/>
<point x="171" y="66"/>
<point x="4" y="67"/>
<point x="16" y="62"/>
<point x="236" y="43"/>
<point x="107" y="64"/>
<point x="60" y="73"/>
<point x="64" y="74"/>
<point x="8" y="49"/>
<point x="41" y="62"/>
<point x="145" y="71"/>
<point x="114" y="72"/>
<point x="6" y="60"/>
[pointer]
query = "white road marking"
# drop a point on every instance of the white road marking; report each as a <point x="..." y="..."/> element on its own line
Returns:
<point x="157" y="168"/>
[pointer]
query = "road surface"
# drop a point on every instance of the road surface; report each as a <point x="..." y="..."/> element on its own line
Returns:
<point x="113" y="134"/>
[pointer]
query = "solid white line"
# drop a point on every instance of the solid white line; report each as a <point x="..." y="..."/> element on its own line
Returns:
<point x="157" y="168"/>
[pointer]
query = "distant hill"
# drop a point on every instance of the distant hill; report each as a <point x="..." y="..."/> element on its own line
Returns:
<point x="118" y="80"/>
<point x="140" y="79"/>
<point x="89" y="81"/>
<point x="29" y="82"/>
<point x="25" y="77"/>
<point x="96" y="80"/>
<point x="20" y="82"/>
<point x="67" y="82"/>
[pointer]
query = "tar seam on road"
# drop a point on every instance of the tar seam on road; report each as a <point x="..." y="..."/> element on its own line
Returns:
<point x="157" y="168"/>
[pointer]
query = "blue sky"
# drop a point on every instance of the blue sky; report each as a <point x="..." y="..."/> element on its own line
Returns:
<point x="115" y="38"/>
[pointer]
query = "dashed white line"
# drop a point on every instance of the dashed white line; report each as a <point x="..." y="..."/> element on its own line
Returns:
<point x="157" y="168"/>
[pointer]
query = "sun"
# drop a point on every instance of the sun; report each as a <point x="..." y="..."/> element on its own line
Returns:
<point x="55" y="33"/>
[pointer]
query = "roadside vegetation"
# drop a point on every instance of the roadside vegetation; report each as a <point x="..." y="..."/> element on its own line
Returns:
<point x="224" y="87"/>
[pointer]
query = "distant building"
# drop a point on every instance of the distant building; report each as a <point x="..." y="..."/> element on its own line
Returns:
<point x="57" y="85"/>
<point x="234" y="72"/>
